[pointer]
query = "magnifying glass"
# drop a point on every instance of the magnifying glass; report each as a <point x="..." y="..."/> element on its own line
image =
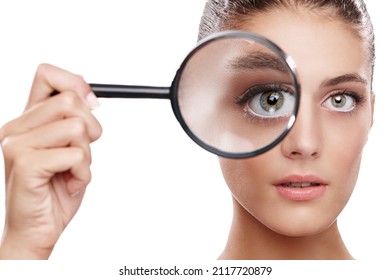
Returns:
<point x="236" y="94"/>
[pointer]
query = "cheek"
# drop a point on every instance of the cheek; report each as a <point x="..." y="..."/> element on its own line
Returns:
<point x="343" y="145"/>
<point x="245" y="176"/>
<point x="250" y="182"/>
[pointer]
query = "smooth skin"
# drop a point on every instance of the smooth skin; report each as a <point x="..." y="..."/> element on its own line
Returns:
<point x="326" y="142"/>
<point x="47" y="162"/>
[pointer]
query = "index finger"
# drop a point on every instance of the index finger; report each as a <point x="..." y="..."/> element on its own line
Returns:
<point x="49" y="78"/>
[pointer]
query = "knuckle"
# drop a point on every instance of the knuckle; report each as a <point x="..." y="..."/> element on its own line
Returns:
<point x="42" y="69"/>
<point x="92" y="130"/>
<point x="82" y="156"/>
<point x="68" y="102"/>
<point x="97" y="131"/>
<point x="77" y="127"/>
<point x="88" y="176"/>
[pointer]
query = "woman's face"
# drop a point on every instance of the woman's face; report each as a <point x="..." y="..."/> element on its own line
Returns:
<point x="300" y="186"/>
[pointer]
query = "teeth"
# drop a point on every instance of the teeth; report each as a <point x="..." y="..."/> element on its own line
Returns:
<point x="300" y="185"/>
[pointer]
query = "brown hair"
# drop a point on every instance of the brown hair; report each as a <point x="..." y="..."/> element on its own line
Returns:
<point x="229" y="14"/>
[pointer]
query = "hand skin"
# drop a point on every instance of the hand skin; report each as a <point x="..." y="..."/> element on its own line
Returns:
<point x="47" y="162"/>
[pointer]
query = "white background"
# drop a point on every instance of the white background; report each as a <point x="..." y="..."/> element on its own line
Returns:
<point x="155" y="195"/>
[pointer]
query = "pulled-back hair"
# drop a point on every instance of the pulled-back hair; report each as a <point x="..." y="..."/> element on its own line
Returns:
<point x="230" y="14"/>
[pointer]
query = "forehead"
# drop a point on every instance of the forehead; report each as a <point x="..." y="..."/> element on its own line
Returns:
<point x="321" y="46"/>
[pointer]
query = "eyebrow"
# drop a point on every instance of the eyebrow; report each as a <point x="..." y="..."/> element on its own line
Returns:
<point x="258" y="60"/>
<point x="351" y="77"/>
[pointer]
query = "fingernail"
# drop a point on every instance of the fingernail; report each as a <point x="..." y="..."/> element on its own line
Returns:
<point x="92" y="100"/>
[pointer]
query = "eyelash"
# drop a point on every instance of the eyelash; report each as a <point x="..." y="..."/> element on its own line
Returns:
<point x="358" y="100"/>
<point x="255" y="90"/>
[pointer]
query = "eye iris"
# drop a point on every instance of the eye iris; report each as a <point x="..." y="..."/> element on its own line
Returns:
<point x="272" y="101"/>
<point x="338" y="101"/>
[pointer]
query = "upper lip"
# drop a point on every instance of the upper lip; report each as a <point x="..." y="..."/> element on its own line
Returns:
<point x="304" y="180"/>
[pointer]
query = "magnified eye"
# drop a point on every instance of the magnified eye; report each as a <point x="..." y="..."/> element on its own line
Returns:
<point x="341" y="102"/>
<point x="269" y="101"/>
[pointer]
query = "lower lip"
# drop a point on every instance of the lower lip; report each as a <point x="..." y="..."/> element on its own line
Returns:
<point x="301" y="194"/>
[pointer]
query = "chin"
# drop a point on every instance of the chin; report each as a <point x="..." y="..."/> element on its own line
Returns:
<point x="305" y="231"/>
<point x="299" y="225"/>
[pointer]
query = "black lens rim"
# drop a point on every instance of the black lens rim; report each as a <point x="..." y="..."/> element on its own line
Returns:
<point x="235" y="34"/>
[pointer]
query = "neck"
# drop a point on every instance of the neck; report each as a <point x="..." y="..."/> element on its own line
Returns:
<point x="250" y="239"/>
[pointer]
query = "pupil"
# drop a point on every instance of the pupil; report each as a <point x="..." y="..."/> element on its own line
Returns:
<point x="273" y="99"/>
<point x="338" y="101"/>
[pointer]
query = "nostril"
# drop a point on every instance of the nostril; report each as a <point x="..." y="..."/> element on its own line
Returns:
<point x="303" y="154"/>
<point x="315" y="154"/>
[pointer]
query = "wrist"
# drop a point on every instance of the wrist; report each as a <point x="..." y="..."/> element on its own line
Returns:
<point x="18" y="248"/>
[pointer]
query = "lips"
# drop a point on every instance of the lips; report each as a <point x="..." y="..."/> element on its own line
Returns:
<point x="298" y="187"/>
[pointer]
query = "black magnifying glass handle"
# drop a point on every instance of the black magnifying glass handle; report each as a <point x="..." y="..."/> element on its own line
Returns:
<point x="128" y="91"/>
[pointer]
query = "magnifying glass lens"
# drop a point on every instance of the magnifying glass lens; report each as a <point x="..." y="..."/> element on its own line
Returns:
<point x="237" y="96"/>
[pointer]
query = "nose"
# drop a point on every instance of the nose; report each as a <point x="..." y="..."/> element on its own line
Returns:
<point x="304" y="140"/>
